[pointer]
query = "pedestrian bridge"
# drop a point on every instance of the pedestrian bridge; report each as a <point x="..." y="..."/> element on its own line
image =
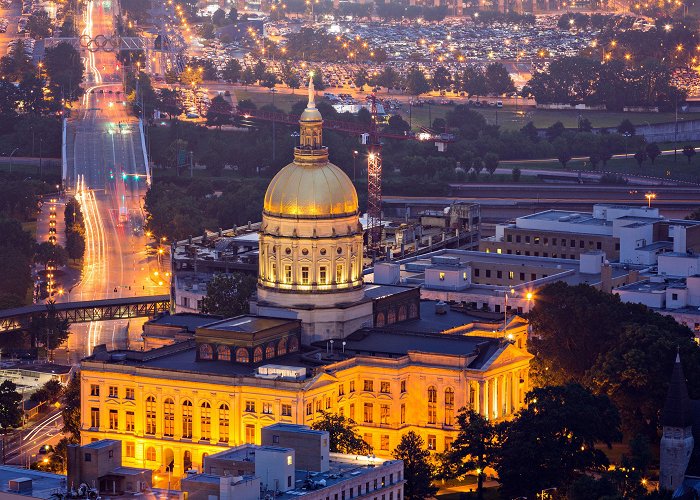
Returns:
<point x="86" y="311"/>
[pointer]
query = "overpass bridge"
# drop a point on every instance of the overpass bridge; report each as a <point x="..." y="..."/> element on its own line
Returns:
<point x="86" y="311"/>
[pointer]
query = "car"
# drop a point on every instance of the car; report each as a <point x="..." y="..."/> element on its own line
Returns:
<point x="192" y="115"/>
<point x="499" y="104"/>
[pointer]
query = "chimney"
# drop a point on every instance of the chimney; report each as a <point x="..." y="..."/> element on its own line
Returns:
<point x="606" y="277"/>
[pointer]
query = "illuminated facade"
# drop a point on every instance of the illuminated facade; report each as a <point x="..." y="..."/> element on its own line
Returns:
<point x="167" y="408"/>
<point x="311" y="241"/>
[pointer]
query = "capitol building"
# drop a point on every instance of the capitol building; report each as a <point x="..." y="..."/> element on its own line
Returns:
<point x="318" y="339"/>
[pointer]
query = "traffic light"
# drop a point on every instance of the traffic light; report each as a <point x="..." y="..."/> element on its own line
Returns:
<point x="124" y="176"/>
<point x="111" y="174"/>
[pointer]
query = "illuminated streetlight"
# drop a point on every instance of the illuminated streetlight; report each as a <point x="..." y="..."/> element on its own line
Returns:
<point x="649" y="197"/>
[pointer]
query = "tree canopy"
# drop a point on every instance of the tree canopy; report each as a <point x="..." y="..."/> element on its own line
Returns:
<point x="342" y="435"/>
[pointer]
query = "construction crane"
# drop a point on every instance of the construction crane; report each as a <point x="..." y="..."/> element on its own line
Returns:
<point x="371" y="136"/>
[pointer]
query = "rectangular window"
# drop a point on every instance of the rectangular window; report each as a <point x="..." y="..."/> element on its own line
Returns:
<point x="476" y="272"/>
<point x="205" y="422"/>
<point x="341" y="390"/>
<point x="674" y="296"/>
<point x="554" y="241"/>
<point x="384" y="442"/>
<point x="385" y="387"/>
<point x="527" y="239"/>
<point x="537" y="240"/>
<point x="488" y="273"/>
<point x="113" y="420"/>
<point x="287" y="273"/>
<point x="368" y="411"/>
<point x="250" y="433"/>
<point x="367" y="438"/>
<point x="129" y="421"/>
<point x="432" y="414"/>
<point x="309" y="409"/>
<point x="95" y="418"/>
<point x="352" y="411"/>
<point x="442" y="276"/>
<point x="403" y="413"/>
<point x="129" y="393"/>
<point x="286" y="410"/>
<point x="94" y="390"/>
<point x="352" y="386"/>
<point x="322" y="275"/>
<point x="432" y="440"/>
<point x="250" y="406"/>
<point x="339" y="273"/>
<point x="267" y="409"/>
<point x="304" y="275"/>
<point x="403" y="386"/>
<point x="517" y="238"/>
<point x="572" y="243"/>
<point x="384" y="414"/>
<point x="448" y="443"/>
<point x="129" y="449"/>
<point x="499" y="274"/>
<point x="113" y="391"/>
<point x="511" y="275"/>
<point x="368" y="385"/>
<point x="598" y="245"/>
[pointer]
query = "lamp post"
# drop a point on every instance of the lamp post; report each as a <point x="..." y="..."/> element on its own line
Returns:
<point x="650" y="196"/>
<point x="11" y="155"/>
<point x="354" y="162"/>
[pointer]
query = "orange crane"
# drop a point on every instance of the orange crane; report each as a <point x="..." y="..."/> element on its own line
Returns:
<point x="371" y="136"/>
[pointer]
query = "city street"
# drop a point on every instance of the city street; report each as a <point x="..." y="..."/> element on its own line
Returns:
<point x="107" y="173"/>
<point x="23" y="446"/>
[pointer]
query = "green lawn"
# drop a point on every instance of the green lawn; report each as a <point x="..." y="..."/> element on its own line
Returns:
<point x="665" y="166"/>
<point x="508" y="117"/>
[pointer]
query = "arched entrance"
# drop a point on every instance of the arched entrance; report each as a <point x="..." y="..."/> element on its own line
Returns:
<point x="186" y="461"/>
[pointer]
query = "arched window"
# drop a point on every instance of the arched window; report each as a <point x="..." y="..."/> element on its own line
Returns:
<point x="282" y="347"/>
<point x="380" y="319"/>
<point x="402" y="313"/>
<point x="151" y="454"/>
<point x="432" y="405"/>
<point x="187" y="419"/>
<point x="449" y="406"/>
<point x="413" y="311"/>
<point x="169" y="417"/>
<point x="391" y="317"/>
<point x="205" y="351"/>
<point x="293" y="344"/>
<point x="223" y="423"/>
<point x="223" y="352"/>
<point x="187" y="460"/>
<point x="257" y="355"/>
<point x="150" y="415"/>
<point x="205" y="420"/>
<point x="242" y="355"/>
<point x="270" y="351"/>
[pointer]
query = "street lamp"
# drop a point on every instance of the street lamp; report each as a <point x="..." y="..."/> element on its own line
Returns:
<point x="354" y="158"/>
<point x="650" y="196"/>
<point x="11" y="155"/>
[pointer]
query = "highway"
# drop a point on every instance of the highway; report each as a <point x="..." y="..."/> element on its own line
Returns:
<point x="22" y="446"/>
<point x="107" y="173"/>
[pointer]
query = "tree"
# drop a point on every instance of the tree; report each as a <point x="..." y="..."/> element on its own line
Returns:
<point x="259" y="70"/>
<point x="474" y="449"/>
<point x="417" y="469"/>
<point x="16" y="63"/>
<point x="689" y="152"/>
<point x="47" y="253"/>
<point x="71" y="410"/>
<point x="49" y="392"/>
<point x="65" y="71"/>
<point x="653" y="151"/>
<point x="564" y="157"/>
<point x="228" y="295"/>
<point x="170" y="102"/>
<point x="269" y="80"/>
<point x="218" y="18"/>
<point x="75" y="245"/>
<point x="388" y="78"/>
<point x="247" y="77"/>
<point x="584" y="125"/>
<point x="232" y="71"/>
<point x="553" y="439"/>
<point x="39" y="24"/>
<point x="498" y="80"/>
<point x="317" y="78"/>
<point x="233" y="15"/>
<point x="361" y="79"/>
<point x="473" y="81"/>
<point x="626" y="127"/>
<point x="491" y="162"/>
<point x="442" y="79"/>
<point x="641" y="157"/>
<point x="219" y="112"/>
<point x="342" y="434"/>
<point x="416" y="82"/>
<point x="530" y="131"/>
<point x="10" y="406"/>
<point x="554" y="131"/>
<point x="477" y="165"/>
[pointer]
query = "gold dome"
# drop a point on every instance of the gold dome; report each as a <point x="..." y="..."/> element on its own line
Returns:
<point x="315" y="191"/>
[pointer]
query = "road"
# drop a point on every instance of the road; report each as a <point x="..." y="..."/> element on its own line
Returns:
<point x="22" y="446"/>
<point x="107" y="173"/>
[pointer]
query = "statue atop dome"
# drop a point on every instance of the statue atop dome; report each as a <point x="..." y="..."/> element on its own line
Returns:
<point x="312" y="92"/>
